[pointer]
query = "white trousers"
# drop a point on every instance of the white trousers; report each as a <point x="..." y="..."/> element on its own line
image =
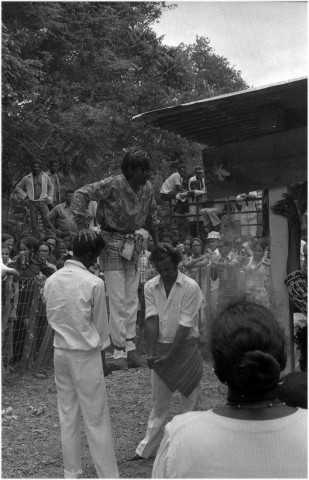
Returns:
<point x="81" y="389"/>
<point x="161" y="399"/>
<point x="122" y="291"/>
<point x="247" y="228"/>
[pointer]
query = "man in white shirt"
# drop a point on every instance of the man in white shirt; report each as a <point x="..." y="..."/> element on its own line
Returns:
<point x="172" y="303"/>
<point x="76" y="310"/>
<point x="198" y="186"/>
<point x="172" y="187"/>
<point x="37" y="191"/>
<point x="248" y="204"/>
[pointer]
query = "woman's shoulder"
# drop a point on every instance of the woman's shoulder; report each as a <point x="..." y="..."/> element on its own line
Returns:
<point x="189" y="420"/>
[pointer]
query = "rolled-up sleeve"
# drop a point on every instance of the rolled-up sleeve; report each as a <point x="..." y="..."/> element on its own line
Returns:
<point x="81" y="199"/>
<point x="191" y="303"/>
<point x="150" y="302"/>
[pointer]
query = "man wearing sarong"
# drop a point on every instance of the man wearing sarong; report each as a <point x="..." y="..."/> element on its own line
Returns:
<point x="126" y="203"/>
<point x="172" y="302"/>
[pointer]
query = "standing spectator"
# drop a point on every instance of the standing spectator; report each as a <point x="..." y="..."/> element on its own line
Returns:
<point x="63" y="215"/>
<point x="54" y="178"/>
<point x="126" y="203"/>
<point x="225" y="268"/>
<point x="29" y="267"/>
<point x="196" y="187"/>
<point x="52" y="242"/>
<point x="38" y="195"/>
<point x="172" y="302"/>
<point x="195" y="267"/>
<point x="248" y="205"/>
<point x="258" y="276"/>
<point x="8" y="241"/>
<point x="76" y="310"/>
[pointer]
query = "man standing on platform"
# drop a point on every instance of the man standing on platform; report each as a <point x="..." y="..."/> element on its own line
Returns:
<point x="126" y="203"/>
<point x="172" y="303"/>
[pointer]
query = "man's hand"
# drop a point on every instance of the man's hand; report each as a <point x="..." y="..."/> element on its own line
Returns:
<point x="287" y="209"/>
<point x="162" y="361"/>
<point x="151" y="361"/>
<point x="9" y="271"/>
<point x="87" y="234"/>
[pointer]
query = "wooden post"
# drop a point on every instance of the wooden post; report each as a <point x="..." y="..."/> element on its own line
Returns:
<point x="197" y="217"/>
<point x="278" y="228"/>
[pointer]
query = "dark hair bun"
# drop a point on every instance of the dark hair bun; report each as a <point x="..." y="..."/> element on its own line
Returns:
<point x="257" y="371"/>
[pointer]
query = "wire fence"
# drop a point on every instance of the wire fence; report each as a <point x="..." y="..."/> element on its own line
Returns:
<point x="27" y="339"/>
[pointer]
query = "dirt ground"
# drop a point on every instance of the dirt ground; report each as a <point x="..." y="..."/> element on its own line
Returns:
<point x="31" y="432"/>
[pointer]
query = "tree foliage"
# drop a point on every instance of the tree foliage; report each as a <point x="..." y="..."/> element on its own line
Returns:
<point x="74" y="74"/>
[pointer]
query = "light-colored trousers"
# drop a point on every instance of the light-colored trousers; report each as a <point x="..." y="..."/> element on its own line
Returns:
<point x="122" y="291"/>
<point x="161" y="399"/>
<point x="81" y="389"/>
<point x="247" y="228"/>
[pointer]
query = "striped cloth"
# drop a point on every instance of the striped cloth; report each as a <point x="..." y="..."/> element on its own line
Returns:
<point x="186" y="371"/>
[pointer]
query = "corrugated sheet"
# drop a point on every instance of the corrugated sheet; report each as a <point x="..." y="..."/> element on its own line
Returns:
<point x="236" y="116"/>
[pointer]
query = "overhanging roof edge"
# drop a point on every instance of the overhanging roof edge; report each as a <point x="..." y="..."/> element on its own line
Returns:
<point x="212" y="99"/>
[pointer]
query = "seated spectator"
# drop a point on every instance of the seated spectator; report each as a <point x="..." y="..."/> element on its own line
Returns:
<point x="254" y="435"/>
<point x="172" y="187"/>
<point x="61" y="254"/>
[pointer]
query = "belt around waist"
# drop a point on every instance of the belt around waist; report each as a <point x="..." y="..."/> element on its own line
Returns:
<point x="111" y="230"/>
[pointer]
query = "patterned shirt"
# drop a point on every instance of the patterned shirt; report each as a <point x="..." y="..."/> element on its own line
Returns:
<point x="297" y="286"/>
<point x="119" y="207"/>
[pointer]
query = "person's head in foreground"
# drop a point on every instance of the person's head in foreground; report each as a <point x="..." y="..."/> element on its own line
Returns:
<point x="254" y="434"/>
<point x="87" y="250"/>
<point x="248" y="350"/>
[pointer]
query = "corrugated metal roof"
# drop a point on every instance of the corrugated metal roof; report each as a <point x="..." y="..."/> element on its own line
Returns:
<point x="235" y="116"/>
